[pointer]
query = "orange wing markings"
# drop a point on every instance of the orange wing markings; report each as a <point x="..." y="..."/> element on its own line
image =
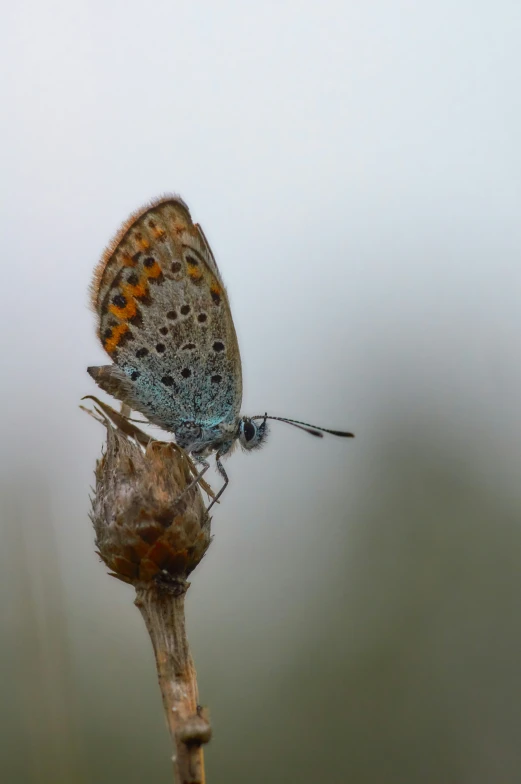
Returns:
<point x="112" y="342"/>
<point x="195" y="273"/>
<point x="153" y="272"/>
<point x="159" y="205"/>
<point x="139" y="291"/>
<point x="131" y="293"/>
<point x="143" y="243"/>
<point x="125" y="313"/>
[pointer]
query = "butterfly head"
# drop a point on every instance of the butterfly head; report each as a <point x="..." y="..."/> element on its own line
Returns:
<point x="251" y="433"/>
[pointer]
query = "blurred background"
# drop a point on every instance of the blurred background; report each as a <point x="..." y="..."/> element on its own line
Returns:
<point x="356" y="169"/>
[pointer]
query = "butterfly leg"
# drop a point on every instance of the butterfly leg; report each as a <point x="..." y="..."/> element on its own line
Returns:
<point x="195" y="480"/>
<point x="225" y="448"/>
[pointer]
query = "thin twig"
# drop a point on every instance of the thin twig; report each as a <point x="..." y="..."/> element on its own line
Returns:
<point x="162" y="607"/>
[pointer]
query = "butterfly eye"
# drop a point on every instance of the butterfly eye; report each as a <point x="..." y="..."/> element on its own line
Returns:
<point x="249" y="430"/>
<point x="251" y="435"/>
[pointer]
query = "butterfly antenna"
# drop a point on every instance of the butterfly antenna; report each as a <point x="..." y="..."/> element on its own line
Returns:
<point x="313" y="430"/>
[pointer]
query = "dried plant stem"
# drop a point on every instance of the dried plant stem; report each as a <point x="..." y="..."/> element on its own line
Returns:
<point x="152" y="530"/>
<point x="162" y="607"/>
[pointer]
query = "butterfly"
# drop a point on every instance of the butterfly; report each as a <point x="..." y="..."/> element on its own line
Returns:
<point x="165" y="321"/>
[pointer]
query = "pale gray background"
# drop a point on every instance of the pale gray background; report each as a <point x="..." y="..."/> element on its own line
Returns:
<point x="356" y="168"/>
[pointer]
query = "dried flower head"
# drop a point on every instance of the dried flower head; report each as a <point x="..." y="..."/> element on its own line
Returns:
<point x="148" y="523"/>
